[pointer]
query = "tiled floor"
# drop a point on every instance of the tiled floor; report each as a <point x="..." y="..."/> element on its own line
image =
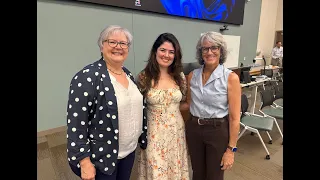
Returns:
<point x="249" y="160"/>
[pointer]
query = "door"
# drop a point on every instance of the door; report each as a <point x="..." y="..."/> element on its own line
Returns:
<point x="279" y="37"/>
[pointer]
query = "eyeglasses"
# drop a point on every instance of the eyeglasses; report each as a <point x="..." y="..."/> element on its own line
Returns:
<point x="114" y="43"/>
<point x="212" y="48"/>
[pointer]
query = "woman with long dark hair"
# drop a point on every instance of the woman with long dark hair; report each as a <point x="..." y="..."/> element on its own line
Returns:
<point x="164" y="86"/>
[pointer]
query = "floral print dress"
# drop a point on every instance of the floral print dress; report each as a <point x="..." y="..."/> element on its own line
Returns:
<point x="166" y="156"/>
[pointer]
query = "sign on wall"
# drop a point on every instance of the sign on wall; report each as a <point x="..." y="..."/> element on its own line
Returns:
<point x="233" y="45"/>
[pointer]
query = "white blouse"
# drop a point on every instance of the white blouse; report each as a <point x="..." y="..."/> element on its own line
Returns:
<point x="130" y="114"/>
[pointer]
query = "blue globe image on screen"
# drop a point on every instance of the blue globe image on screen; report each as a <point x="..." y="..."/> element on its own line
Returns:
<point x="216" y="10"/>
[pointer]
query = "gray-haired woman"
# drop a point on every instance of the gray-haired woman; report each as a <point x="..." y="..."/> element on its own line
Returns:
<point x="106" y="116"/>
<point x="214" y="96"/>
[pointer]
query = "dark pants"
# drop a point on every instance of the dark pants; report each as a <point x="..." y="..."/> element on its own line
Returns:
<point x="122" y="172"/>
<point x="207" y="144"/>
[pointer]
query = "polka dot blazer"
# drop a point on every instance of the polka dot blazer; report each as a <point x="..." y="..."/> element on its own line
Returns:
<point x="92" y="118"/>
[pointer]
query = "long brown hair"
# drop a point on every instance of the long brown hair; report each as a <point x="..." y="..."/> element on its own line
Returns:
<point x="152" y="71"/>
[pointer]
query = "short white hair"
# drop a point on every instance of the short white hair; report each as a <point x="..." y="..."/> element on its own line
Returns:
<point x="109" y="30"/>
<point x="215" y="38"/>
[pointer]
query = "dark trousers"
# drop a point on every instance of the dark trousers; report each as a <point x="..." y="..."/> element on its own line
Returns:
<point x="207" y="144"/>
<point x="122" y="172"/>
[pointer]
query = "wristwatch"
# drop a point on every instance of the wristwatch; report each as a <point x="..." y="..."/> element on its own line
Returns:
<point x="233" y="149"/>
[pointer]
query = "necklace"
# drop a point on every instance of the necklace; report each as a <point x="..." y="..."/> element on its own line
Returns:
<point x="204" y="78"/>
<point x="116" y="72"/>
<point x="113" y="71"/>
<point x="206" y="75"/>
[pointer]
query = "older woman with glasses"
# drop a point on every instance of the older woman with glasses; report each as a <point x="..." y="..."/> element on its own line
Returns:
<point x="214" y="96"/>
<point x="106" y="116"/>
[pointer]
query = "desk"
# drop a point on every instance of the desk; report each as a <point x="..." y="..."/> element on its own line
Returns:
<point x="257" y="70"/>
<point x="254" y="85"/>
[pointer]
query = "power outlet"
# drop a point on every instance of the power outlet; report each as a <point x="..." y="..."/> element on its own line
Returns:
<point x="244" y="58"/>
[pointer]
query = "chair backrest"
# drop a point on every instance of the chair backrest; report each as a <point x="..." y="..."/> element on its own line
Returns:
<point x="188" y="67"/>
<point x="267" y="72"/>
<point x="269" y="87"/>
<point x="267" y="98"/>
<point x="279" y="91"/>
<point x="244" y="104"/>
<point x="281" y="70"/>
<point x="246" y="77"/>
<point x="272" y="83"/>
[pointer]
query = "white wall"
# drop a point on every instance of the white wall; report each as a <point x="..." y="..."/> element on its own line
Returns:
<point x="271" y="20"/>
<point x="279" y="20"/>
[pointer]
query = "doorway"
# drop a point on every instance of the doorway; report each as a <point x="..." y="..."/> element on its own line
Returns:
<point x="279" y="37"/>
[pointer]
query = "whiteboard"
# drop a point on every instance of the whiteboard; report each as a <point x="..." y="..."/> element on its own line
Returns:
<point x="233" y="44"/>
